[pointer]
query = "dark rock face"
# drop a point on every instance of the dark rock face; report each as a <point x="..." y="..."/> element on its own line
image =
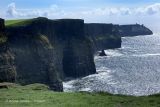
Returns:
<point x="77" y="53"/>
<point x="133" y="30"/>
<point x="48" y="51"/>
<point x="108" y="36"/>
<point x="103" y="36"/>
<point x="2" y="26"/>
<point x="7" y="69"/>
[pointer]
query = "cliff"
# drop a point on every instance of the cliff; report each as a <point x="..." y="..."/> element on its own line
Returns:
<point x="48" y="51"/>
<point x="108" y="36"/>
<point x="133" y="30"/>
<point x="7" y="69"/>
<point x="103" y="36"/>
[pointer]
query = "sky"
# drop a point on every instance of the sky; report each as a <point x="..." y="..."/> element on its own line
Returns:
<point x="145" y="12"/>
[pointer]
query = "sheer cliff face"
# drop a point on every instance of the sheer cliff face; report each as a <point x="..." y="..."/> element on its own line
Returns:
<point x="7" y="69"/>
<point x="108" y="36"/>
<point x="103" y="36"/>
<point x="134" y="30"/>
<point x="47" y="51"/>
<point x="33" y="56"/>
<point x="77" y="57"/>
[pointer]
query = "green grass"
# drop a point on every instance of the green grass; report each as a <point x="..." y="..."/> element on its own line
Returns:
<point x="12" y="22"/>
<point x="37" y="95"/>
<point x="19" y="22"/>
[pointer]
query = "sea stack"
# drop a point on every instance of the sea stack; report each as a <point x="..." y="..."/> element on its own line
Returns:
<point x="102" y="53"/>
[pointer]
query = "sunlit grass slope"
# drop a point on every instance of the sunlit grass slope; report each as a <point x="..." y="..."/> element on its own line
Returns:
<point x="14" y="22"/>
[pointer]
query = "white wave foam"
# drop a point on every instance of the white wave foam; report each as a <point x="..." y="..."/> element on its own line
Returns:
<point x="156" y="34"/>
<point x="86" y="83"/>
<point x="86" y="89"/>
<point x="146" y="55"/>
<point x="113" y="52"/>
<point x="121" y="73"/>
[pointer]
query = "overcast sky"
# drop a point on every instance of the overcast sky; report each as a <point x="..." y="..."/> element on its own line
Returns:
<point x="145" y="12"/>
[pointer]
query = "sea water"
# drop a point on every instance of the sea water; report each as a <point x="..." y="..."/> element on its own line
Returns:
<point x="133" y="69"/>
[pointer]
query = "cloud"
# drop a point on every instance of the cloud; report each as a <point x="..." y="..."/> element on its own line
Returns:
<point x="106" y="12"/>
<point x="54" y="11"/>
<point x="148" y="15"/>
<point x="152" y="9"/>
<point x="13" y="12"/>
<point x="148" y="10"/>
<point x="123" y="11"/>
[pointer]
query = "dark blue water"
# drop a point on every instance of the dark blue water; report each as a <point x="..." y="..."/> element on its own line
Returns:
<point x="133" y="69"/>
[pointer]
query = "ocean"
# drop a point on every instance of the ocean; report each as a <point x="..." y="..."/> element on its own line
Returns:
<point x="133" y="69"/>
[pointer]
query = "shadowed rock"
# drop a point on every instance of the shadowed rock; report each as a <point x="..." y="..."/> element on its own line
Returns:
<point x="103" y="36"/>
<point x="7" y="69"/>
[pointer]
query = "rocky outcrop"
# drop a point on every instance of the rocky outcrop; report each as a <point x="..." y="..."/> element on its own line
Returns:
<point x="133" y="30"/>
<point x="103" y="36"/>
<point x="49" y="51"/>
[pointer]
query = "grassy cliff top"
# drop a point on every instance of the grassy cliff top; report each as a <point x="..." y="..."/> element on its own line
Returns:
<point x="38" y="95"/>
<point x="23" y="22"/>
<point x="16" y="22"/>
